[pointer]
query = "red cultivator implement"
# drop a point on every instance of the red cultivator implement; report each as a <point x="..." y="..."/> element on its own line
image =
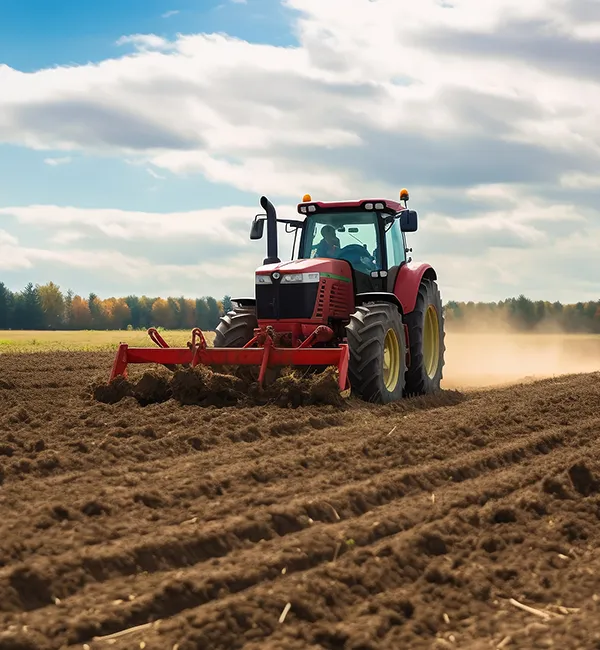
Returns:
<point x="260" y="352"/>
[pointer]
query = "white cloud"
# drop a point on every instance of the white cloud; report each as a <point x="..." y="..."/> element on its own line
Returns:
<point x="168" y="14"/>
<point x="66" y="237"/>
<point x="229" y="225"/>
<point x="54" y="162"/>
<point x="7" y="239"/>
<point x="145" y="42"/>
<point x="580" y="181"/>
<point x="10" y="257"/>
<point x="155" y="175"/>
<point x="490" y="112"/>
<point x="120" y="268"/>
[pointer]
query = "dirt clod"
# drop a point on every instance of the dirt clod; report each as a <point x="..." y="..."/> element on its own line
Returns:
<point x="583" y="479"/>
<point x="112" y="392"/>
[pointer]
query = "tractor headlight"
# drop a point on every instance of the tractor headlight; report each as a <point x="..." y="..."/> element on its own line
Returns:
<point x="263" y="279"/>
<point x="292" y="277"/>
<point x="296" y="278"/>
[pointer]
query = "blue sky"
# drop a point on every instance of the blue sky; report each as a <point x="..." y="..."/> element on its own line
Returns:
<point x="137" y="137"/>
<point x="39" y="33"/>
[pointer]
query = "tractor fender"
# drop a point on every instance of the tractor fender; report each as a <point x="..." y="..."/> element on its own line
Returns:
<point x="408" y="281"/>
<point x="244" y="303"/>
<point x="378" y="296"/>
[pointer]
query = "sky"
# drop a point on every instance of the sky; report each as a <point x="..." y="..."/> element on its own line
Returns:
<point x="136" y="138"/>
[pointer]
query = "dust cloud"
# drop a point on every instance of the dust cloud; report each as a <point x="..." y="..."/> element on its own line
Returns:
<point x="480" y="359"/>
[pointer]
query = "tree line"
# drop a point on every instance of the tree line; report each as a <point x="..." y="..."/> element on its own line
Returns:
<point x="523" y="314"/>
<point x="39" y="307"/>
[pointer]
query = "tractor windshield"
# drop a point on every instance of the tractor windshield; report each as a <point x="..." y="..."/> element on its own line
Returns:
<point x="351" y="236"/>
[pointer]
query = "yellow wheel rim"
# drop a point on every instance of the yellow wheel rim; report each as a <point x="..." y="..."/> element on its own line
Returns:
<point x="431" y="342"/>
<point x="391" y="360"/>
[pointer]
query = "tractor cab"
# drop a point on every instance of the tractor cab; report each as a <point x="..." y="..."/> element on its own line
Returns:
<point x="349" y="252"/>
<point x="368" y="234"/>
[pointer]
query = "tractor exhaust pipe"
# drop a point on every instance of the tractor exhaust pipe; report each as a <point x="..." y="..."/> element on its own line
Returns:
<point x="271" y="231"/>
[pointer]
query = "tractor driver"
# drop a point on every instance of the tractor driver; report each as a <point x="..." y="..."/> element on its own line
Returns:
<point x="329" y="244"/>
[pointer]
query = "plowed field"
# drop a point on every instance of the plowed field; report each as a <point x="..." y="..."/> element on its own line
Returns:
<point x="426" y="524"/>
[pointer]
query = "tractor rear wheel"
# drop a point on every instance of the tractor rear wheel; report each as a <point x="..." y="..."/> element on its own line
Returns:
<point x="235" y="329"/>
<point x="377" y="347"/>
<point x="426" y="339"/>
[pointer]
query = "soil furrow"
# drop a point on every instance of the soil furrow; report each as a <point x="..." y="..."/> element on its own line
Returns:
<point x="408" y="514"/>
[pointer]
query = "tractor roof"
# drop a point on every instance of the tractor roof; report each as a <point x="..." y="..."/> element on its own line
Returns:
<point x="391" y="207"/>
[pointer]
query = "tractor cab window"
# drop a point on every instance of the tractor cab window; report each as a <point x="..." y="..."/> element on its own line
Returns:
<point x="396" y="253"/>
<point x="349" y="236"/>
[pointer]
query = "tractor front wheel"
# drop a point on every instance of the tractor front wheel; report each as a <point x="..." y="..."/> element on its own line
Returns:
<point x="377" y="347"/>
<point x="235" y="329"/>
<point x="426" y="339"/>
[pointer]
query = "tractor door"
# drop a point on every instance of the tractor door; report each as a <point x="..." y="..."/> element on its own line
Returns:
<point x="396" y="251"/>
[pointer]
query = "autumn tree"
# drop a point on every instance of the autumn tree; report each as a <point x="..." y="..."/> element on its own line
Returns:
<point x="53" y="305"/>
<point x="188" y="313"/>
<point x="81" y="318"/>
<point x="121" y="315"/>
<point x="162" y="314"/>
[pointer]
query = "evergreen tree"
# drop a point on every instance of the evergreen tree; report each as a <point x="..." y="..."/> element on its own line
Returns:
<point x="202" y="315"/>
<point x="227" y="305"/>
<point x="28" y="314"/>
<point x="69" y="309"/>
<point x="6" y="307"/>
<point x="133" y="302"/>
<point x="214" y="313"/>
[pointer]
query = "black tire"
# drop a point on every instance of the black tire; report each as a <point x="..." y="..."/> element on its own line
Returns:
<point x="421" y="379"/>
<point x="235" y="329"/>
<point x="366" y="333"/>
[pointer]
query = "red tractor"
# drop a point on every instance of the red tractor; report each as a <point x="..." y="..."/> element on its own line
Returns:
<point x="350" y="298"/>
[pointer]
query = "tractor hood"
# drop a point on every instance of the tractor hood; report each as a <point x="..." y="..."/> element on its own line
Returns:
<point x="323" y="266"/>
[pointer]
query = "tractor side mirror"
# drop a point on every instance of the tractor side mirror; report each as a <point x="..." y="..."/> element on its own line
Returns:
<point x="408" y="221"/>
<point x="257" y="229"/>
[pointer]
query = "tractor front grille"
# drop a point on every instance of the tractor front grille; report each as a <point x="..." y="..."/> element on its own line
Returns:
<point x="281" y="301"/>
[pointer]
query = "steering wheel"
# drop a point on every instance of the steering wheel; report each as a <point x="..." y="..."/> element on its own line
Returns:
<point x="358" y="256"/>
